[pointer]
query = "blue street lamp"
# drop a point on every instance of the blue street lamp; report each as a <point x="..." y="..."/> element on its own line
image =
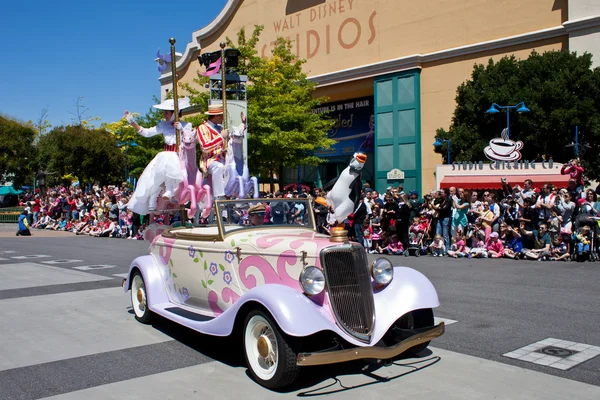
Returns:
<point x="438" y="143"/>
<point x="494" y="109"/>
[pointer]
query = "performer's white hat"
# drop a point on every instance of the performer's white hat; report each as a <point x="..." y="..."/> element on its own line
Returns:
<point x="169" y="106"/>
<point x="215" y="109"/>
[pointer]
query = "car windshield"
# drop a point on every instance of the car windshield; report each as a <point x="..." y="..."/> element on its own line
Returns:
<point x="267" y="213"/>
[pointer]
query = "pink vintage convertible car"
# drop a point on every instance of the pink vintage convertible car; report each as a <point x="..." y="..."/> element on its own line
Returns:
<point x="294" y="297"/>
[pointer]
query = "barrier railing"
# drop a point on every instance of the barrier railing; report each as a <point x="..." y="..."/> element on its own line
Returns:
<point x="10" y="214"/>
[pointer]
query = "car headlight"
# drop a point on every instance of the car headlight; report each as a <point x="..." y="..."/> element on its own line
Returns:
<point x="382" y="271"/>
<point x="312" y="280"/>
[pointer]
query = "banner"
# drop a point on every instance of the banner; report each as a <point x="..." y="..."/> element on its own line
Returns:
<point x="354" y="126"/>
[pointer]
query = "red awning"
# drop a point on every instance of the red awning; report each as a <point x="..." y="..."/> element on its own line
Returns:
<point x="493" y="181"/>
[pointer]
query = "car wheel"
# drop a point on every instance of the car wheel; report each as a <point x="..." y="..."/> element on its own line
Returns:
<point x="269" y="352"/>
<point x="418" y="253"/>
<point x="413" y="320"/>
<point x="139" y="299"/>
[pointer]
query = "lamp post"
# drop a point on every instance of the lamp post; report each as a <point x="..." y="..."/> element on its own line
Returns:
<point x="495" y="108"/>
<point x="438" y="143"/>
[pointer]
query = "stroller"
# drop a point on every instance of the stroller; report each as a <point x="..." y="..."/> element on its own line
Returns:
<point x="591" y="222"/>
<point x="417" y="244"/>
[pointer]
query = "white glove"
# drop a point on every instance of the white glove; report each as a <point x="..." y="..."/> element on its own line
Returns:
<point x="129" y="117"/>
<point x="225" y="133"/>
<point x="177" y="125"/>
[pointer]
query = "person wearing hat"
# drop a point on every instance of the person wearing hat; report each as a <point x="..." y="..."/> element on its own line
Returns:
<point x="23" y="224"/>
<point x="495" y="248"/>
<point x="256" y="214"/>
<point x="165" y="167"/>
<point x="211" y="137"/>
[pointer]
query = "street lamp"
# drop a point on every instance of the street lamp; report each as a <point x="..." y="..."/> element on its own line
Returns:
<point x="494" y="109"/>
<point x="438" y="143"/>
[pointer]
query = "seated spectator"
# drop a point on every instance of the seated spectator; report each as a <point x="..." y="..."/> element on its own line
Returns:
<point x="459" y="247"/>
<point x="559" y="251"/>
<point x="416" y="231"/>
<point x="541" y="243"/>
<point x="438" y="248"/>
<point x="511" y="239"/>
<point x="478" y="249"/>
<point x="583" y="238"/>
<point x="23" y="225"/>
<point x="394" y="246"/>
<point x="494" y="246"/>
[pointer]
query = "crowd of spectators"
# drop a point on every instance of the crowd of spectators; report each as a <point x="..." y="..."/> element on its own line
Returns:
<point x="514" y="222"/>
<point x="99" y="211"/>
<point x="549" y="223"/>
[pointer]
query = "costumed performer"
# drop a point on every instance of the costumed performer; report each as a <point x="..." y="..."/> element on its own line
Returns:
<point x="165" y="167"/>
<point x="212" y="136"/>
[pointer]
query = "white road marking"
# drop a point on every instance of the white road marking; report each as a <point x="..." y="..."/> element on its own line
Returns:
<point x="446" y="321"/>
<point x="121" y="275"/>
<point x="531" y="353"/>
<point x="30" y="256"/>
<point x="94" y="267"/>
<point x="60" y="261"/>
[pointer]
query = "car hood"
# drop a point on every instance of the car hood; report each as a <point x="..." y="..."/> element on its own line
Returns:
<point x="282" y="242"/>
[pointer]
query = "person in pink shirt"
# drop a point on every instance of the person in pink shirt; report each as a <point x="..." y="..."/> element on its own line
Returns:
<point x="495" y="247"/>
<point x="394" y="246"/>
<point x="459" y="247"/>
<point x="575" y="170"/>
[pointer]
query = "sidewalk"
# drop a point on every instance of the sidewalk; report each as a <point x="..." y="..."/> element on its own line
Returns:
<point x="8" y="230"/>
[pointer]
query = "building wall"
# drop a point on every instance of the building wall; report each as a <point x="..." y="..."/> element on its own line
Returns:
<point x="349" y="44"/>
<point x="439" y="82"/>
<point x="588" y="38"/>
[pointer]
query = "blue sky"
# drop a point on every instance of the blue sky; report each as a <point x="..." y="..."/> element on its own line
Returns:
<point x="56" y="51"/>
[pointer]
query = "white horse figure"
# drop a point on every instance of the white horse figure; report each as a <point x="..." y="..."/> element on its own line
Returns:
<point x="191" y="189"/>
<point x="238" y="181"/>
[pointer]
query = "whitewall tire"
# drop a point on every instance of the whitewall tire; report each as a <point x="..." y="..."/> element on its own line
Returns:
<point x="269" y="352"/>
<point x="139" y="299"/>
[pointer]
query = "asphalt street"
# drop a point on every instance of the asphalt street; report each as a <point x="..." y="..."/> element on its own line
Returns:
<point x="68" y="331"/>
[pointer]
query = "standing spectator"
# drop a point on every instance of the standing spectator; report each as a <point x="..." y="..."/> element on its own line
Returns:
<point x="574" y="169"/>
<point x="444" y="209"/>
<point x="545" y="203"/>
<point x="566" y="207"/>
<point x="459" y="220"/>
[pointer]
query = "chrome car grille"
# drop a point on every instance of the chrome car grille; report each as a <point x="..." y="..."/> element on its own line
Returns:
<point x="348" y="283"/>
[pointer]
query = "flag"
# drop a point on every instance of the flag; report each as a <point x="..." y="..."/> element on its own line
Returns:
<point x="213" y="68"/>
<point x="162" y="60"/>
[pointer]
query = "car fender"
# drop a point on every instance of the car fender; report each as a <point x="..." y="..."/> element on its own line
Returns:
<point x="409" y="290"/>
<point x="294" y="313"/>
<point x="155" y="288"/>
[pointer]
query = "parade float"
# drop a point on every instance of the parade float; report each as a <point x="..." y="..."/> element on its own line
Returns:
<point x="292" y="296"/>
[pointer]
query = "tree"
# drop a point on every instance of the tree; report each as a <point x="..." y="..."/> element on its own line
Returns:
<point x="16" y="150"/>
<point x="560" y="89"/>
<point x="137" y="158"/>
<point x="80" y="116"/>
<point x="41" y="124"/>
<point x="89" y="154"/>
<point x="283" y="130"/>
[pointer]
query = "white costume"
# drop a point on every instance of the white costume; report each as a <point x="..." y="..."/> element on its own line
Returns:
<point x="165" y="167"/>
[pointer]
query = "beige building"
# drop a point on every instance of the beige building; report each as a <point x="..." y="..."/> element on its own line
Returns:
<point x="391" y="67"/>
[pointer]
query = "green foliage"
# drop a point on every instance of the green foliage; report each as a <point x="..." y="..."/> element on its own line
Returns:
<point x="559" y="88"/>
<point x="90" y="154"/>
<point x="16" y="152"/>
<point x="282" y="129"/>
